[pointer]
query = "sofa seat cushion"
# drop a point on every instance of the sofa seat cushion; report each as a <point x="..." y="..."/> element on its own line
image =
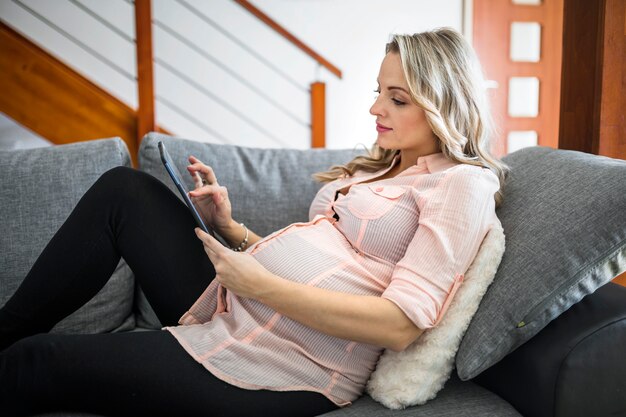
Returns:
<point x="38" y="190"/>
<point x="456" y="399"/>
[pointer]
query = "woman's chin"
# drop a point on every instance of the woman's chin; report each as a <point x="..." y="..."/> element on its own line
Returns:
<point x="382" y="143"/>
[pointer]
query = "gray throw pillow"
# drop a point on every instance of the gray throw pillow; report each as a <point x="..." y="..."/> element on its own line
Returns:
<point x="269" y="188"/>
<point x="38" y="190"/>
<point x="564" y="217"/>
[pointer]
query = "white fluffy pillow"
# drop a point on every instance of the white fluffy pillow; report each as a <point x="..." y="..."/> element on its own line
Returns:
<point x="415" y="375"/>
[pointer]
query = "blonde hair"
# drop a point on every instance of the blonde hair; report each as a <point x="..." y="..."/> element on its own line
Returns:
<point x="445" y="79"/>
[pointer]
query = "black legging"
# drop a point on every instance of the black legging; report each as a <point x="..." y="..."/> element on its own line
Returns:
<point x="129" y="214"/>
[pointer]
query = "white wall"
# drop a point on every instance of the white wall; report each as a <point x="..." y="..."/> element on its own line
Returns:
<point x="14" y="136"/>
<point x="229" y="94"/>
<point x="352" y="35"/>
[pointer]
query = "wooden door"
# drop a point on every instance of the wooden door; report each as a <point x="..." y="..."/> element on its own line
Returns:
<point x="500" y="27"/>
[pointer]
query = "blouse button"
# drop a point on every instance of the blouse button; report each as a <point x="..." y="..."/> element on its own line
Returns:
<point x="379" y="189"/>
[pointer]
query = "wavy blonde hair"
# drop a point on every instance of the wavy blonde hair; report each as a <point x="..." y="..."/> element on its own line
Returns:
<point x="445" y="79"/>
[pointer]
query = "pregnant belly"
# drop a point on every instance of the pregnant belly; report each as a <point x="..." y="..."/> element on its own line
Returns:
<point x="319" y="255"/>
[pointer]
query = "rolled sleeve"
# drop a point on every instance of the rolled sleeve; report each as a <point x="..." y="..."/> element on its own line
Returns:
<point x="454" y="218"/>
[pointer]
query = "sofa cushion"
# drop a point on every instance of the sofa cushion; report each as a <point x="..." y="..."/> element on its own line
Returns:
<point x="38" y="190"/>
<point x="563" y="217"/>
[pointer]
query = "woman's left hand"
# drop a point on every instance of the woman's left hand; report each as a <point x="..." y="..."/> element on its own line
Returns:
<point x="238" y="272"/>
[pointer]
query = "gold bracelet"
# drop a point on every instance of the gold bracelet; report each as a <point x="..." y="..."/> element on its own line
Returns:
<point x="244" y="243"/>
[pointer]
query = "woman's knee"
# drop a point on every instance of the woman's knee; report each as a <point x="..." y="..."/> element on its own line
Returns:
<point x="23" y="375"/>
<point x="25" y="356"/>
<point x="117" y="177"/>
<point x="125" y="184"/>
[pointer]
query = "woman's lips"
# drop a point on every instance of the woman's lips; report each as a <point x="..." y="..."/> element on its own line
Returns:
<point x="381" y="129"/>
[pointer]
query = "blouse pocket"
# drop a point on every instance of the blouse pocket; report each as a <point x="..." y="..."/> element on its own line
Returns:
<point x="374" y="201"/>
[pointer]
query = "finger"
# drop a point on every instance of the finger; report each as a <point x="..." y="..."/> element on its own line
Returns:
<point x="195" y="175"/>
<point x="206" y="190"/>
<point x="209" y="241"/>
<point x="197" y="179"/>
<point x="205" y="243"/>
<point x="205" y="171"/>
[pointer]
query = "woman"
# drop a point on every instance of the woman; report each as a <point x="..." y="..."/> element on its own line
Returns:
<point x="293" y="323"/>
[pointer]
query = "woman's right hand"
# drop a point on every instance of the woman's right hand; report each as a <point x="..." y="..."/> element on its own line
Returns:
<point x="210" y="198"/>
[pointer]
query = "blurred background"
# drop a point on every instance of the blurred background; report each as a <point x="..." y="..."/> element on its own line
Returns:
<point x="297" y="73"/>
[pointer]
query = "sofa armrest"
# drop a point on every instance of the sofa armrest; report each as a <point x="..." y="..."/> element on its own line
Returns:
<point x="574" y="367"/>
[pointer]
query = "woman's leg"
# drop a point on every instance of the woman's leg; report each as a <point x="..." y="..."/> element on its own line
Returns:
<point x="125" y="213"/>
<point x="130" y="374"/>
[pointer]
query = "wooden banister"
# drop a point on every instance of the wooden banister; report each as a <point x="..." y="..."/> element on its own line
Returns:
<point x="48" y="97"/>
<point x="287" y="35"/>
<point x="54" y="101"/>
<point x="145" y="68"/>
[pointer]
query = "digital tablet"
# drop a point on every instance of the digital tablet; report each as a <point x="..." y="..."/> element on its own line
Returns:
<point x="175" y="175"/>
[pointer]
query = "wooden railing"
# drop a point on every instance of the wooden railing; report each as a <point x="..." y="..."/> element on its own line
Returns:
<point x="51" y="99"/>
<point x="54" y="101"/>
<point x="287" y="35"/>
<point x="317" y="89"/>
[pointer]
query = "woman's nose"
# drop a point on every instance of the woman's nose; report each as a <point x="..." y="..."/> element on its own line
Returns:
<point x="376" y="108"/>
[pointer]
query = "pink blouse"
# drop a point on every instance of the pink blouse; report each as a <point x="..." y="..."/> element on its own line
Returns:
<point x="408" y="239"/>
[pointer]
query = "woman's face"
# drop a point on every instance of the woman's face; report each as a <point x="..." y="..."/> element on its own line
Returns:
<point x="401" y="124"/>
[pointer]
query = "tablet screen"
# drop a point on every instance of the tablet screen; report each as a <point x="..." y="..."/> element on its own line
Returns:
<point x="175" y="175"/>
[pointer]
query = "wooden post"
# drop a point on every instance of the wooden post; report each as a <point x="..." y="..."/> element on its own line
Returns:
<point x="318" y="115"/>
<point x="593" y="87"/>
<point x="145" y="77"/>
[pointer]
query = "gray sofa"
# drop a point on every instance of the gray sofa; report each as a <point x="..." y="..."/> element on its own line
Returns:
<point x="547" y="340"/>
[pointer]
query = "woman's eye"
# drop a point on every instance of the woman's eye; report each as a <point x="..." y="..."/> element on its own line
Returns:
<point x="398" y="102"/>
<point x="377" y="91"/>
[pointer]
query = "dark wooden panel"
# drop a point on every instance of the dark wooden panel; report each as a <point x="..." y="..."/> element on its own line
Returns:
<point x="612" y="126"/>
<point x="580" y="77"/>
<point x="594" y="78"/>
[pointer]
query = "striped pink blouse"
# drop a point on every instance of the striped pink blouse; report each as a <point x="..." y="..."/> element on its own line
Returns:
<point x="408" y="239"/>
